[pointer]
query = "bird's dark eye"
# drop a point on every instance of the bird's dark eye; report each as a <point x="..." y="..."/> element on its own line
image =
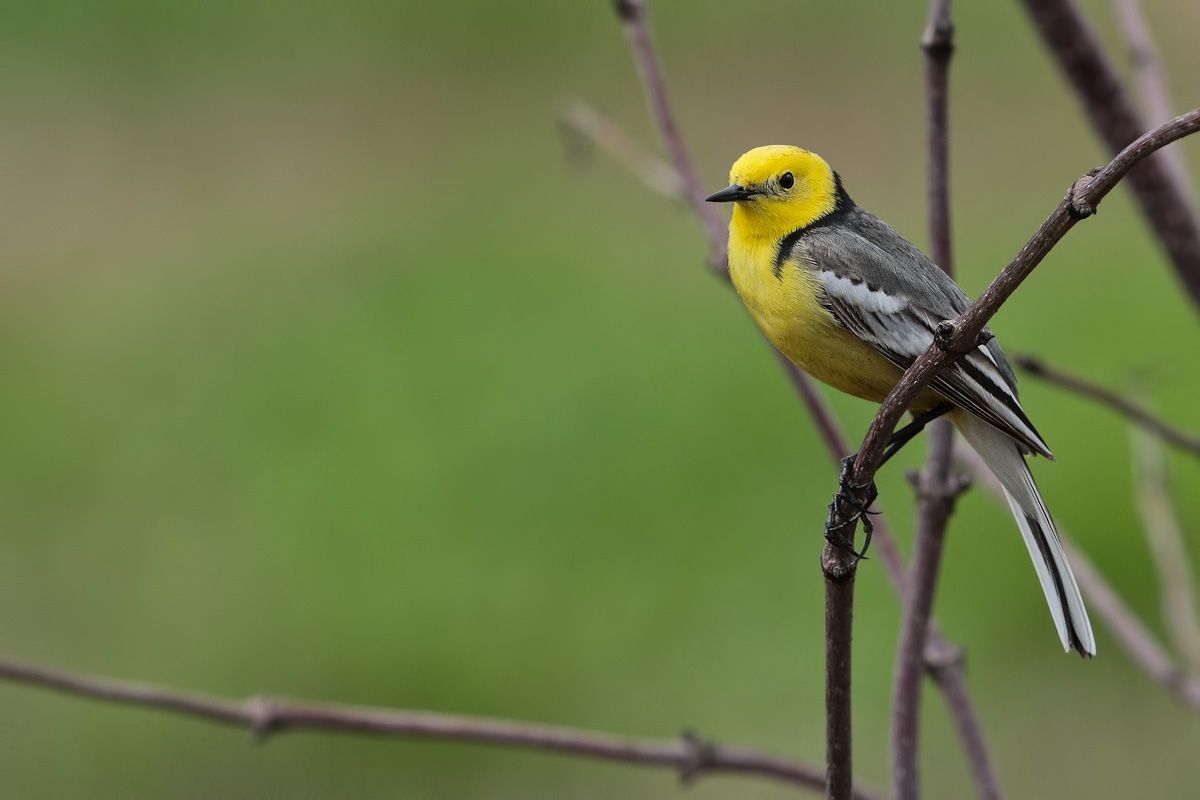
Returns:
<point x="787" y="180"/>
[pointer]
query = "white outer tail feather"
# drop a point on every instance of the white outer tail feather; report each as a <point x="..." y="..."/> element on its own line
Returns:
<point x="1004" y="459"/>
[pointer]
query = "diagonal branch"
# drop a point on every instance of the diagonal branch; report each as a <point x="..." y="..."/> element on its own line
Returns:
<point x="936" y="490"/>
<point x="1133" y="411"/>
<point x="839" y="584"/>
<point x="1163" y="200"/>
<point x="943" y="662"/>
<point x="637" y="31"/>
<point x="960" y="336"/>
<point x="1131" y="633"/>
<point x="584" y="127"/>
<point x="1152" y="85"/>
<point x="691" y="756"/>
<point x="1164" y="534"/>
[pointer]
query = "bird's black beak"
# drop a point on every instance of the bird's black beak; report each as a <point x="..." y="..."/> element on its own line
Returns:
<point x="730" y="194"/>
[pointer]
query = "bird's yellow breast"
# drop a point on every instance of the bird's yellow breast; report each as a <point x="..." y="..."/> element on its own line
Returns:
<point x="785" y="304"/>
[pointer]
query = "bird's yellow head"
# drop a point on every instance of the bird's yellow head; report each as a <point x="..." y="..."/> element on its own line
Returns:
<point x="777" y="189"/>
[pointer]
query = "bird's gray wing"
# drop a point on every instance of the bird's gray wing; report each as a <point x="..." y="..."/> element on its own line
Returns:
<point x="881" y="288"/>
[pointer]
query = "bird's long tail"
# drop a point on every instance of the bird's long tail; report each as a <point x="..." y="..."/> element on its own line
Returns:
<point x="1037" y="528"/>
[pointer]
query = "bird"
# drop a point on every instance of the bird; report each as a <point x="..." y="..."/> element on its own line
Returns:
<point x="853" y="303"/>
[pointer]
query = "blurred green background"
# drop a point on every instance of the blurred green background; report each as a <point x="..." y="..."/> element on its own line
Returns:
<point x="326" y="374"/>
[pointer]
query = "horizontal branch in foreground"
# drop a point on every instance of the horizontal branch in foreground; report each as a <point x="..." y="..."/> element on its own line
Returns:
<point x="1134" y="412"/>
<point x="692" y="756"/>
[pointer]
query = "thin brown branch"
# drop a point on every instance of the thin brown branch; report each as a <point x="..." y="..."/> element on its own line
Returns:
<point x="1131" y="633"/>
<point x="1164" y="534"/>
<point x="946" y="667"/>
<point x="839" y="741"/>
<point x="960" y="336"/>
<point x="637" y="31"/>
<point x="585" y="127"/>
<point x="1133" y="411"/>
<point x="946" y="673"/>
<point x="1163" y="201"/>
<point x="691" y="756"/>
<point x="936" y="491"/>
<point x="1152" y="85"/>
<point x="839" y="583"/>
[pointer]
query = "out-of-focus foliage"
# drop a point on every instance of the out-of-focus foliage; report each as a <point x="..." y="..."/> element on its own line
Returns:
<point x="326" y="375"/>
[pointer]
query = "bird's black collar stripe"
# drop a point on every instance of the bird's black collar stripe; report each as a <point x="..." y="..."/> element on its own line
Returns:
<point x="842" y="205"/>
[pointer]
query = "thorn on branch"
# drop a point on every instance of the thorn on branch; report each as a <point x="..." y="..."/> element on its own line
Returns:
<point x="1077" y="200"/>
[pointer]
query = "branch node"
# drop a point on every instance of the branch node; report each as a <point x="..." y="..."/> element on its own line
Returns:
<point x="1078" y="204"/>
<point x="264" y="717"/>
<point x="914" y="480"/>
<point x="941" y="656"/>
<point x="699" y="755"/>
<point x="945" y="492"/>
<point x="945" y="335"/>
<point x="836" y="566"/>
<point x="938" y="39"/>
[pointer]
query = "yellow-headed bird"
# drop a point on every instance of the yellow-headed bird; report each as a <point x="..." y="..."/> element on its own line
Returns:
<point x="853" y="303"/>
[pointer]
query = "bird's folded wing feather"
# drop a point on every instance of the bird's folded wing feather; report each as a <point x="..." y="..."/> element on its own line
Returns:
<point x="881" y="288"/>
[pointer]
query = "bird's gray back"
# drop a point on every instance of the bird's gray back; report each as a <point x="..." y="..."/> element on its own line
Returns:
<point x="864" y="246"/>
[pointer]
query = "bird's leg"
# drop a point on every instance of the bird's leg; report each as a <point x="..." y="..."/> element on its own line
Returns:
<point x="857" y="497"/>
<point x="906" y="434"/>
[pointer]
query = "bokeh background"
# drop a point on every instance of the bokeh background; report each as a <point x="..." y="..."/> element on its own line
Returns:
<point x="327" y="374"/>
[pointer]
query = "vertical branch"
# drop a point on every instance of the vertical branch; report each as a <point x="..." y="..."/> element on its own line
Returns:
<point x="1166" y="540"/>
<point x="837" y="565"/>
<point x="839" y="624"/>
<point x="946" y="671"/>
<point x="1163" y="200"/>
<point x="637" y="33"/>
<point x="942" y="661"/>
<point x="935" y="490"/>
<point x="936" y="493"/>
<point x="1152" y="84"/>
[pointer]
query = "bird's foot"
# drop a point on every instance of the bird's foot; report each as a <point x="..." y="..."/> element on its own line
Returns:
<point x="851" y="504"/>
